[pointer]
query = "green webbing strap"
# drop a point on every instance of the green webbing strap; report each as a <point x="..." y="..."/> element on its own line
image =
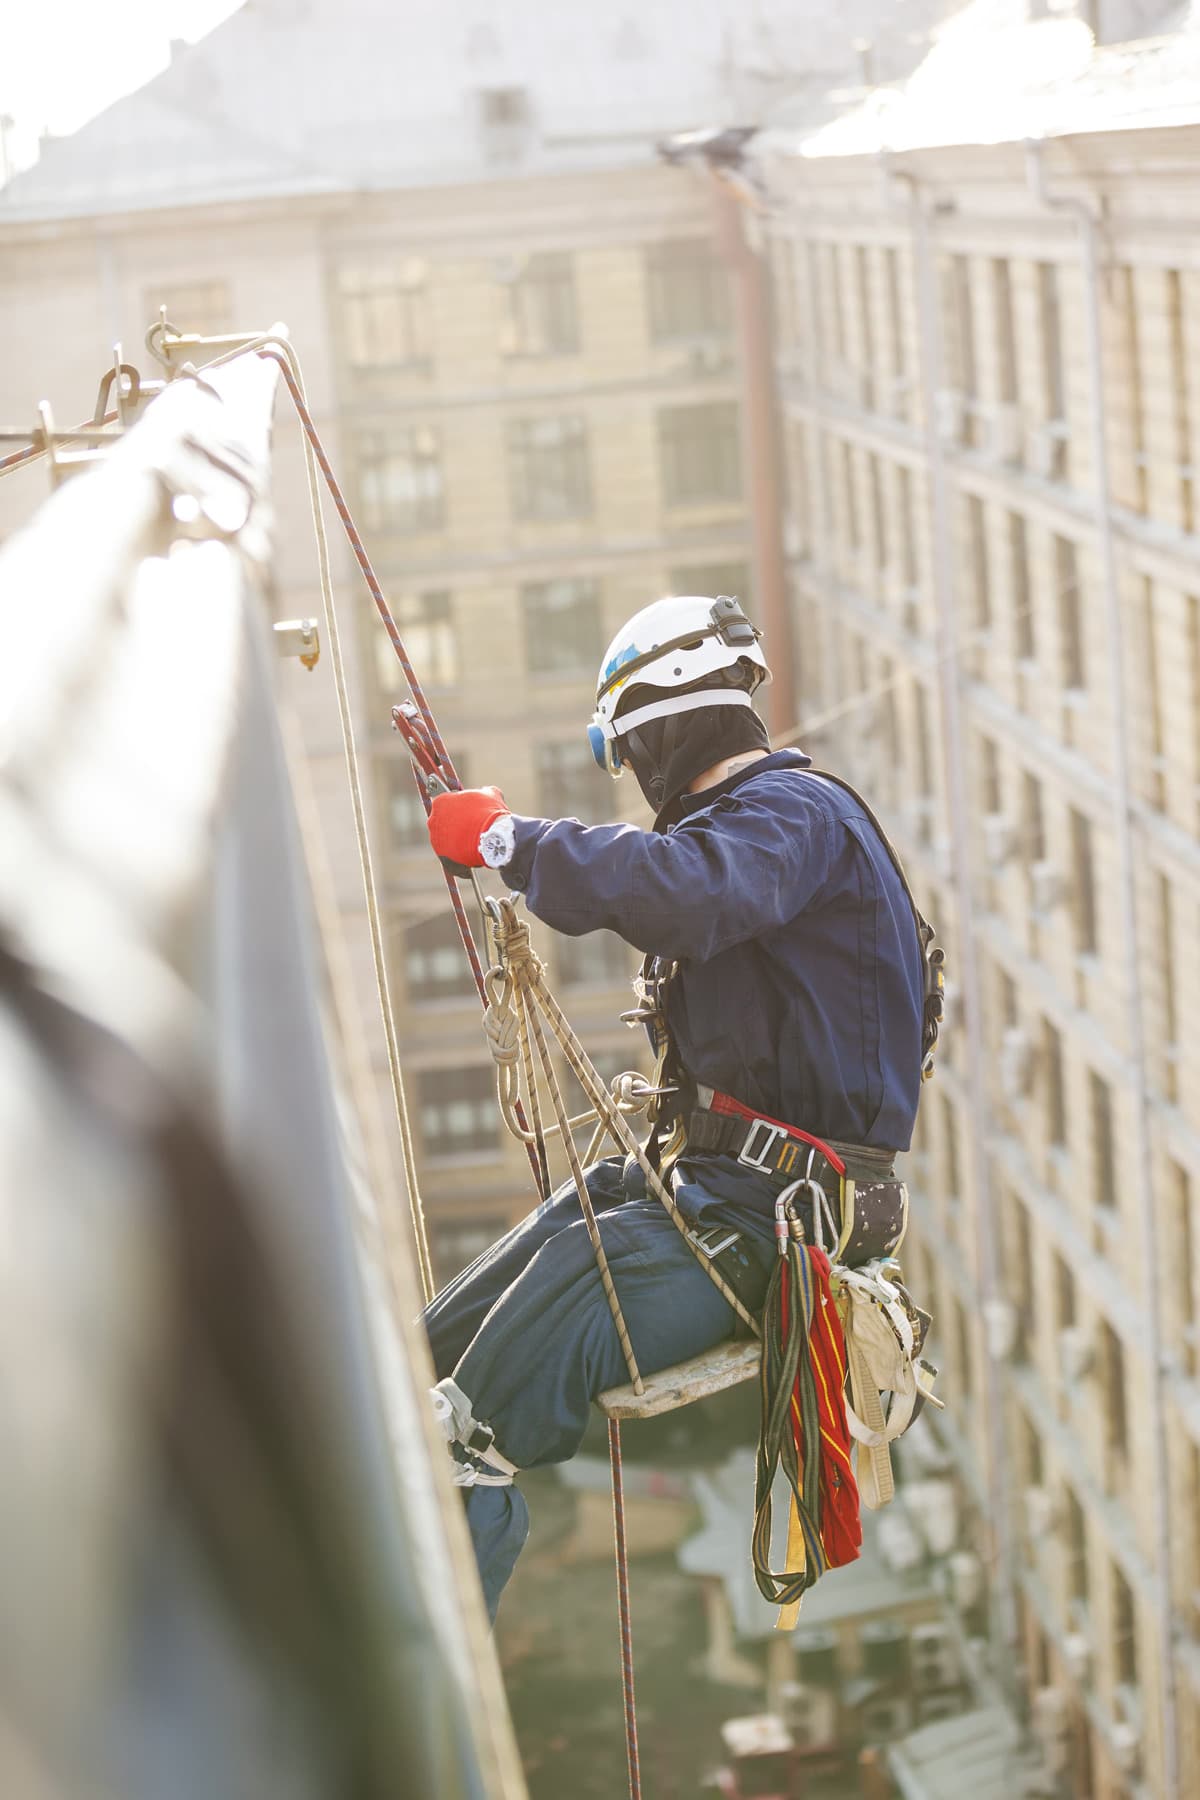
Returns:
<point x="784" y="1358"/>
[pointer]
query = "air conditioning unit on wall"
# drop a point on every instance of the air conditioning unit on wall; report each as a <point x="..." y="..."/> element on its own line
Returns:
<point x="1046" y="883"/>
<point x="1041" y="1513"/>
<point x="1000" y="1324"/>
<point x="950" y="415"/>
<point x="1076" y="1352"/>
<point x="999" y="838"/>
<point x="1077" y="1654"/>
<point x="1004" y="436"/>
<point x="1016" y="1063"/>
<point x="1127" y="1748"/>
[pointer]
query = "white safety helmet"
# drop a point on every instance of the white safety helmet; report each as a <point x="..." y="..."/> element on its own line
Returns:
<point x="674" y="643"/>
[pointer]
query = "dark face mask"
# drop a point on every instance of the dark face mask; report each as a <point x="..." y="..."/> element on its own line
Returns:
<point x="666" y="755"/>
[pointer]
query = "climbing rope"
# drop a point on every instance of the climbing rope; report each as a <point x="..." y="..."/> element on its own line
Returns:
<point x="527" y="986"/>
<point x="624" y="1617"/>
<point x="290" y="365"/>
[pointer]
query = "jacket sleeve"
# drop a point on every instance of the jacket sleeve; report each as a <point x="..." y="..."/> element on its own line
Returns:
<point x="751" y="861"/>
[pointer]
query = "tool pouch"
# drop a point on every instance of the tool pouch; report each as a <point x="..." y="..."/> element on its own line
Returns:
<point x="874" y="1221"/>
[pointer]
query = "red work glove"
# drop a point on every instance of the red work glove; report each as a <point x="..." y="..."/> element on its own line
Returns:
<point x="458" y="821"/>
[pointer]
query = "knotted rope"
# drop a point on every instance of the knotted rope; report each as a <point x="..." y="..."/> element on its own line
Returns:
<point x="517" y="984"/>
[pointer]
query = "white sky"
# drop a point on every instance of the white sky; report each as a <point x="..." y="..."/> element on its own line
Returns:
<point x="61" y="61"/>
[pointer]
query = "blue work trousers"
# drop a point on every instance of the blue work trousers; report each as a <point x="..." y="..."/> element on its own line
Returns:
<point x="528" y="1337"/>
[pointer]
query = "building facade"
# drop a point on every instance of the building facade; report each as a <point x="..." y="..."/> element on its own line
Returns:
<point x="520" y="348"/>
<point x="987" y="370"/>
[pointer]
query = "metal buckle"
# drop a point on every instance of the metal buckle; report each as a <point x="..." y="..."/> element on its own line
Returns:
<point x="702" y="1240"/>
<point x="757" y="1159"/>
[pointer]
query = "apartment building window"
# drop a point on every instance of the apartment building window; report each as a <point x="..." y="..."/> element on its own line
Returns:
<point x="989" y="775"/>
<point x="1157" y="783"/>
<point x="1112" y="1386"/>
<point x="1083" y="883"/>
<point x="687" y="290"/>
<point x="813" y="277"/>
<point x="962" y="1343"/>
<point x="567" y="783"/>
<point x="850" y="491"/>
<point x="1070" y="613"/>
<point x="1168" y="978"/>
<point x="457" y="1110"/>
<point x="879" y="534"/>
<point x="951" y="1169"/>
<point x="548" y="468"/>
<point x="1005" y="335"/>
<point x="699" y="453"/>
<point x="1024" y="647"/>
<point x="1054" y="379"/>
<point x="908" y="527"/>
<point x="732" y="578"/>
<point x="1019" y="1282"/>
<point x="385" y="315"/>
<point x="457" y="1242"/>
<point x="960" y="337"/>
<point x="1125" y="1656"/>
<point x="1103" y="1142"/>
<point x="599" y="959"/>
<point x="1033" y="824"/>
<point x="1064" y="1294"/>
<point x="1007" y="996"/>
<point x="977" y="558"/>
<point x="924" y="752"/>
<point x="400" y="479"/>
<point x="201" y="307"/>
<point x="435" y="967"/>
<point x="892" y="781"/>
<point x="543" y="318"/>
<point x="866" y="331"/>
<point x="1135" y="390"/>
<point x="1053" y="1089"/>
<point x="785" y="299"/>
<point x="563" y="629"/>
<point x="1183" y="1263"/>
<point x="895" y="326"/>
<point x="426" y="624"/>
<point x="837" y="303"/>
<point x="1075" y="1538"/>
<point x="1032" y="1460"/>
<point x="1181" y="374"/>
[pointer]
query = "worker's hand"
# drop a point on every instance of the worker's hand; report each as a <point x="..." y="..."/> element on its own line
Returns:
<point x="459" y="822"/>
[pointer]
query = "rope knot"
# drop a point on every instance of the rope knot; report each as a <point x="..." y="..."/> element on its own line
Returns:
<point x="500" y="1024"/>
<point x="514" y="951"/>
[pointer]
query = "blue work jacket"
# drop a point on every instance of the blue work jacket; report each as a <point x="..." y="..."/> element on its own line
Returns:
<point x="799" y="987"/>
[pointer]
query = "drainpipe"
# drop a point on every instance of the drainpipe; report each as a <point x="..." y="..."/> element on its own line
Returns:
<point x="954" y="758"/>
<point x="1085" y="216"/>
<point x="760" y="441"/>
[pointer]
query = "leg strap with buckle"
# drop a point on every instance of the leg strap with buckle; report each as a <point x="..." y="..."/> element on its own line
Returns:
<point x="477" y="1462"/>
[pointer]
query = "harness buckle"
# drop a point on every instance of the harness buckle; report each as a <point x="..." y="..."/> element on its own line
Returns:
<point x="756" y="1158"/>
<point x="703" y="1240"/>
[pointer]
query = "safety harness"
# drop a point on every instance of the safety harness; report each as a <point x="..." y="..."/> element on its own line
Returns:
<point x="839" y="1329"/>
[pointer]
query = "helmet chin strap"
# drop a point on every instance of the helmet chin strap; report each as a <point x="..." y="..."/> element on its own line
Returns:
<point x="649" y="771"/>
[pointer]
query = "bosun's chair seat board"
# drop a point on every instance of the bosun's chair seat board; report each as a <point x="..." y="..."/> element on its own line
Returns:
<point x="710" y="1373"/>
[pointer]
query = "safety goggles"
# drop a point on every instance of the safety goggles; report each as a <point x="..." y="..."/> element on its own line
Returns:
<point x="604" y="750"/>
<point x="603" y="747"/>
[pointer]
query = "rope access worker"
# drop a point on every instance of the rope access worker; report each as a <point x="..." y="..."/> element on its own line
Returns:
<point x="785" y="977"/>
